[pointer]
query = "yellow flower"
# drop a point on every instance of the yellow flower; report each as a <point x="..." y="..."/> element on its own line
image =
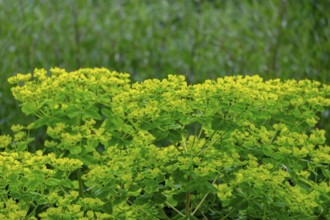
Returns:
<point x="5" y="140"/>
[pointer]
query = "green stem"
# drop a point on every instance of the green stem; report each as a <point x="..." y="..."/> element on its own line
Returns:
<point x="81" y="184"/>
<point x="197" y="136"/>
<point x="205" y="144"/>
<point x="165" y="214"/>
<point x="31" y="213"/>
<point x="203" y="199"/>
<point x="231" y="211"/>
<point x="277" y="132"/>
<point x="187" y="208"/>
<point x="176" y="210"/>
<point x="176" y="147"/>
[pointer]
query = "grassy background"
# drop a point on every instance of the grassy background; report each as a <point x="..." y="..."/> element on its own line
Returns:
<point x="198" y="38"/>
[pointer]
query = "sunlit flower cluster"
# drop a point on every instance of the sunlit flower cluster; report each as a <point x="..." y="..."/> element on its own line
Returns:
<point x="115" y="150"/>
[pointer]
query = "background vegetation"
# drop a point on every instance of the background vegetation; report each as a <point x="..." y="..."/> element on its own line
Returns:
<point x="198" y="38"/>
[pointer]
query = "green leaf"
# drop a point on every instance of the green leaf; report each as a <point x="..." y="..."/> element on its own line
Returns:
<point x="239" y="203"/>
<point x="53" y="182"/>
<point x="73" y="111"/>
<point x="187" y="120"/>
<point x="159" y="134"/>
<point x="179" y="197"/>
<point x="224" y="125"/>
<point x="172" y="201"/>
<point x="40" y="122"/>
<point x="92" y="142"/>
<point x="175" y="135"/>
<point x="35" y="179"/>
<point x="141" y="200"/>
<point x="68" y="183"/>
<point x="178" y="176"/>
<point x="22" y="146"/>
<point x="134" y="187"/>
<point x="114" y="122"/>
<point x="201" y="185"/>
<point x="204" y="120"/>
<point x="148" y="125"/>
<point x="29" y="108"/>
<point x="75" y="150"/>
<point x="86" y="159"/>
<point x="88" y="148"/>
<point x="107" y="112"/>
<point x="91" y="113"/>
<point x="326" y="172"/>
<point x="158" y="198"/>
<point x="268" y="151"/>
<point x="151" y="185"/>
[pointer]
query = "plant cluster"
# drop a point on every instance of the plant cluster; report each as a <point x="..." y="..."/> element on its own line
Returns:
<point x="232" y="148"/>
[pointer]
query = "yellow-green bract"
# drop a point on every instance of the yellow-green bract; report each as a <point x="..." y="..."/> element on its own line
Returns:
<point x="163" y="149"/>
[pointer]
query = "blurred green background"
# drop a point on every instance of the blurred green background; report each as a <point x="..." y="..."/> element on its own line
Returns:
<point x="201" y="39"/>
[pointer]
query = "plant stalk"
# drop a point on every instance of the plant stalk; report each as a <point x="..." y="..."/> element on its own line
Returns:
<point x="187" y="208"/>
<point x="81" y="184"/>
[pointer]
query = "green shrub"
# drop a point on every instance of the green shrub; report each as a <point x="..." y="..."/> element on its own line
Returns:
<point x="231" y="148"/>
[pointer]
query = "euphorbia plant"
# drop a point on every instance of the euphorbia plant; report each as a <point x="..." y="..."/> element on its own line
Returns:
<point x="235" y="147"/>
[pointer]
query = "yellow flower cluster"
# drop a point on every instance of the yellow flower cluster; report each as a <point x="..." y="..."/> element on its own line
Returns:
<point x="25" y="162"/>
<point x="91" y="202"/>
<point x="46" y="90"/>
<point x="11" y="210"/>
<point x="66" y="164"/>
<point x="5" y="140"/>
<point x="147" y="142"/>
<point x="20" y="78"/>
<point x="224" y="193"/>
<point x="66" y="209"/>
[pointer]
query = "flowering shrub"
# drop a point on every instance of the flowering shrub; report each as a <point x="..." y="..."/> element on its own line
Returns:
<point x="231" y="148"/>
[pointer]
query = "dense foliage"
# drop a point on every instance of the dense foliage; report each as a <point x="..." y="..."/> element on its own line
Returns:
<point x="231" y="148"/>
<point x="200" y="39"/>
